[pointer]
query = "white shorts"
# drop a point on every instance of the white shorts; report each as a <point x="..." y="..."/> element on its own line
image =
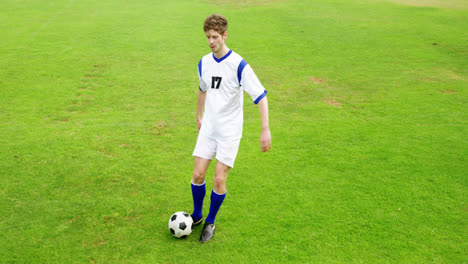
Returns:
<point x="207" y="147"/>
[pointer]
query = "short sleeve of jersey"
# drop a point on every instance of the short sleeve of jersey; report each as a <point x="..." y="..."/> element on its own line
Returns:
<point x="252" y="85"/>
<point x="202" y="86"/>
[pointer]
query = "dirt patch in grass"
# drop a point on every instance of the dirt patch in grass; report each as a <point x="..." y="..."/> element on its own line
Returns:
<point x="92" y="76"/>
<point x="159" y="127"/>
<point x="441" y="75"/>
<point x="332" y="102"/>
<point x="317" y="80"/>
<point x="455" y="4"/>
<point x="448" y="74"/>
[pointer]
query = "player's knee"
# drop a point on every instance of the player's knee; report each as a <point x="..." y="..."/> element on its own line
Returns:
<point x="198" y="177"/>
<point x="219" y="185"/>
<point x="219" y="181"/>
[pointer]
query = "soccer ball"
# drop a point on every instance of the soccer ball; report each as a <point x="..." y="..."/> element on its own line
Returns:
<point x="180" y="224"/>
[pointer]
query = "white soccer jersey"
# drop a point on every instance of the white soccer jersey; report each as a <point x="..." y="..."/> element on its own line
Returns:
<point x="224" y="80"/>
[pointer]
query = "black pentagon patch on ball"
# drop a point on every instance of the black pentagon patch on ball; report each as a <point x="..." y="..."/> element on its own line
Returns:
<point x="186" y="215"/>
<point x="174" y="217"/>
<point x="172" y="231"/>
<point x="182" y="226"/>
<point x="184" y="236"/>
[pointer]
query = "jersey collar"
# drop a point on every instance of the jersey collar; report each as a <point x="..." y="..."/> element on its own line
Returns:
<point x="223" y="58"/>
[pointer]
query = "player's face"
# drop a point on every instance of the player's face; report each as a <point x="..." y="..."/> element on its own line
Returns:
<point x="215" y="40"/>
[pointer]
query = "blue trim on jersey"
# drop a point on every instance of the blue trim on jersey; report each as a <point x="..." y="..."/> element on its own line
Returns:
<point x="241" y="67"/>
<point x="200" y="67"/>
<point x="260" y="97"/>
<point x="223" y="58"/>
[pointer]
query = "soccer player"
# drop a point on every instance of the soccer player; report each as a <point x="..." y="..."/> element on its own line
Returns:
<point x="223" y="76"/>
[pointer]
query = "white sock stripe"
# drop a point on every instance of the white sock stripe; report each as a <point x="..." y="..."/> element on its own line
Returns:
<point x="197" y="184"/>
<point x="218" y="193"/>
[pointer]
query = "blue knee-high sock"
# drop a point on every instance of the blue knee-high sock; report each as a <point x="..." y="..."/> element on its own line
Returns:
<point x="216" y="201"/>
<point x="198" y="194"/>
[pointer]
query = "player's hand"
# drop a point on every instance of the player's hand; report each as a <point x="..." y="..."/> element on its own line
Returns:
<point x="265" y="140"/>
<point x="199" y="123"/>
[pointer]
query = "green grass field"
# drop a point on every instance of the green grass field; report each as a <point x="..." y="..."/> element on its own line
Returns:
<point x="368" y="114"/>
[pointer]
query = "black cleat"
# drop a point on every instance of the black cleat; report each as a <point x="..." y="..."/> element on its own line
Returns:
<point x="208" y="232"/>
<point x="197" y="221"/>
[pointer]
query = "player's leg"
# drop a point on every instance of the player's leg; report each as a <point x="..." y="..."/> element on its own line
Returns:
<point x="217" y="197"/>
<point x="219" y="190"/>
<point x="199" y="188"/>
<point x="220" y="178"/>
<point x="204" y="152"/>
<point x="199" y="170"/>
<point x="226" y="153"/>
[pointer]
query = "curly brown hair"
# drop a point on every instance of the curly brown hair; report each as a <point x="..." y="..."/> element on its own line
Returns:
<point x="216" y="22"/>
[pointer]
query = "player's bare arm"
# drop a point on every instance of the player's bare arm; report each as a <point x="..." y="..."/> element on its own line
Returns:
<point x="265" y="137"/>
<point x="201" y="98"/>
